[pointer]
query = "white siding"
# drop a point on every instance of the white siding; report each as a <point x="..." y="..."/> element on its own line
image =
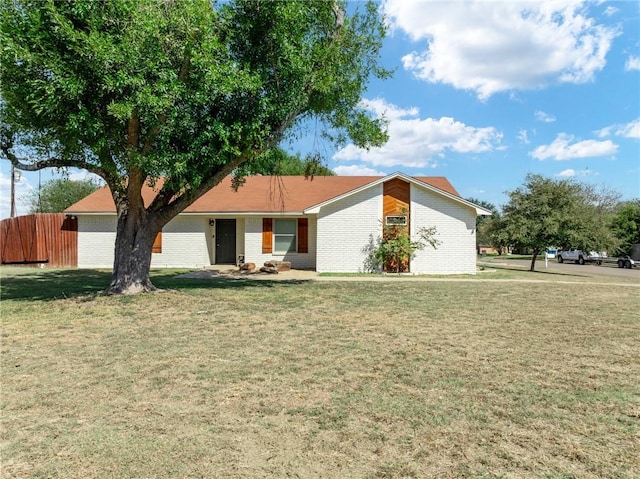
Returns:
<point x="345" y="228"/>
<point x="253" y="245"/>
<point x="96" y="241"/>
<point x="186" y="242"/>
<point x="455" y="223"/>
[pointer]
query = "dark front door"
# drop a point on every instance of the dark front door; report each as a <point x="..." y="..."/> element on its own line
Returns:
<point x="225" y="241"/>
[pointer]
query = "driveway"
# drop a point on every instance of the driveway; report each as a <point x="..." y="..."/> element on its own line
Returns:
<point x="609" y="270"/>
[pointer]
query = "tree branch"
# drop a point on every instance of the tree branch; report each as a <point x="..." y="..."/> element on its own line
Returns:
<point x="27" y="164"/>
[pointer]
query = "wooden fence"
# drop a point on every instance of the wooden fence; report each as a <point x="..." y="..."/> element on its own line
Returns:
<point x="45" y="239"/>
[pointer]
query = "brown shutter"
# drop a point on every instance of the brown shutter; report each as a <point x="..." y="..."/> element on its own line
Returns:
<point x="267" y="235"/>
<point x="303" y="235"/>
<point x="157" y="244"/>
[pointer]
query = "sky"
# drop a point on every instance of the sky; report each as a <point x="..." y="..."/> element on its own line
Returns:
<point x="484" y="92"/>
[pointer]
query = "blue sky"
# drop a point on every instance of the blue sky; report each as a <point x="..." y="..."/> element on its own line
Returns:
<point x="485" y="92"/>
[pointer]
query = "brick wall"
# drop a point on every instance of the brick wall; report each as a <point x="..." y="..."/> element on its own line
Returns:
<point x="347" y="226"/>
<point x="186" y="242"/>
<point x="455" y="225"/>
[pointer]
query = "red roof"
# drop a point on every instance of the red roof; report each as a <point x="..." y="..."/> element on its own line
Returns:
<point x="275" y="194"/>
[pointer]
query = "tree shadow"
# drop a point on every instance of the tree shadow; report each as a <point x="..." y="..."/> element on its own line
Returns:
<point x="519" y="269"/>
<point x="54" y="284"/>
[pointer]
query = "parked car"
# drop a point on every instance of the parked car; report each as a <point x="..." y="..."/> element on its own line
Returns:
<point x="580" y="257"/>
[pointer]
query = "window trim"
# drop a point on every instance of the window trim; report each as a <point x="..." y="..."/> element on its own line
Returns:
<point x="285" y="235"/>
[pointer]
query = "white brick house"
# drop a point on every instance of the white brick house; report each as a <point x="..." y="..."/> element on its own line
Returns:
<point x="324" y="224"/>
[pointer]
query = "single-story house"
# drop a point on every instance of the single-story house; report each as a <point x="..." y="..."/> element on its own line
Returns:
<point x="325" y="223"/>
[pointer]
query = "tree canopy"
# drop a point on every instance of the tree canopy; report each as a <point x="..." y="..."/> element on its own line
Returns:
<point x="178" y="94"/>
<point x="545" y="212"/>
<point x="278" y="162"/>
<point x="58" y="194"/>
<point x="625" y="224"/>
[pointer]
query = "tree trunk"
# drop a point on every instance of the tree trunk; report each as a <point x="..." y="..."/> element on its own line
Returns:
<point x="132" y="259"/>
<point x="536" y="252"/>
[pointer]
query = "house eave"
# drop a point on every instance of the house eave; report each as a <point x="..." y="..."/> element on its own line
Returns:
<point x="315" y="209"/>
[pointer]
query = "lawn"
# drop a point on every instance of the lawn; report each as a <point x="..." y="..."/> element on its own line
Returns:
<point x="243" y="378"/>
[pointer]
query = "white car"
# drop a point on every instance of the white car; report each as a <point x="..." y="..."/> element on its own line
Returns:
<point x="580" y="257"/>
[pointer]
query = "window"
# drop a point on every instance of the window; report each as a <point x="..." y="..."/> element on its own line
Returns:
<point x="284" y="235"/>
<point x="396" y="220"/>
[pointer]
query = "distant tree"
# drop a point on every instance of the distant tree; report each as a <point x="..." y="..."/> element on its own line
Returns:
<point x="546" y="212"/>
<point x="491" y="232"/>
<point x="482" y="229"/>
<point x="279" y="162"/>
<point x="58" y="194"/>
<point x="625" y="224"/>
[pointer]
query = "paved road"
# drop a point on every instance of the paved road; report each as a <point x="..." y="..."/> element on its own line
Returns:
<point x="610" y="270"/>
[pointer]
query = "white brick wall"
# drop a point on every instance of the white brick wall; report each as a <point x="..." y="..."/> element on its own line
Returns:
<point x="96" y="241"/>
<point x="253" y="245"/>
<point x="337" y="237"/>
<point x="186" y="242"/>
<point x="345" y="227"/>
<point x="455" y="223"/>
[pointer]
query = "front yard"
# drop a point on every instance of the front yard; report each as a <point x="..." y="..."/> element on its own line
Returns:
<point x="241" y="378"/>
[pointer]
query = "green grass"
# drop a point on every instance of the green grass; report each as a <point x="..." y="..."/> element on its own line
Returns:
<point x="245" y="378"/>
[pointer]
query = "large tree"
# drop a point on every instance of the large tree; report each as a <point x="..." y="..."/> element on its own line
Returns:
<point x="178" y="94"/>
<point x="58" y="194"/>
<point x="546" y="212"/>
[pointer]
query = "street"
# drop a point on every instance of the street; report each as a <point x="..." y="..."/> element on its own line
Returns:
<point x="606" y="269"/>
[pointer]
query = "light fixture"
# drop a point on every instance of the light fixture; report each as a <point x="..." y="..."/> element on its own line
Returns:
<point x="212" y="222"/>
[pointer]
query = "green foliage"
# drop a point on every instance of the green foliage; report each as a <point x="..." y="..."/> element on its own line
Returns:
<point x="482" y="222"/>
<point x="396" y="247"/>
<point x="57" y="195"/>
<point x="546" y="212"/>
<point x="187" y="91"/>
<point x="278" y="162"/>
<point x="490" y="231"/>
<point x="625" y="224"/>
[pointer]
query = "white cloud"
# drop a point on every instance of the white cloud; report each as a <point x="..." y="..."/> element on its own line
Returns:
<point x="627" y="130"/>
<point x="633" y="63"/>
<point x="22" y="191"/>
<point x="545" y="117"/>
<point x="571" y="173"/>
<point x="82" y="175"/>
<point x="630" y="130"/>
<point x="490" y="47"/>
<point x="523" y="136"/>
<point x="562" y="148"/>
<point x="610" y="11"/>
<point x="357" y="170"/>
<point x="415" y="142"/>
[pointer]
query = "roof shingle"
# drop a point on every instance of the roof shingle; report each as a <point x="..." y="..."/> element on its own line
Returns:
<point x="268" y="194"/>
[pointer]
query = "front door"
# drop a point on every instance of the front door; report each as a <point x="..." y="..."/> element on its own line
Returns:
<point x="225" y="241"/>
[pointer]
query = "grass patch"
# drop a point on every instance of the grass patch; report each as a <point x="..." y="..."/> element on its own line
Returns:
<point x="245" y="378"/>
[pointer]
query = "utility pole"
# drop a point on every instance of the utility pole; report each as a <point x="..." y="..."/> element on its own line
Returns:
<point x="13" y="191"/>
